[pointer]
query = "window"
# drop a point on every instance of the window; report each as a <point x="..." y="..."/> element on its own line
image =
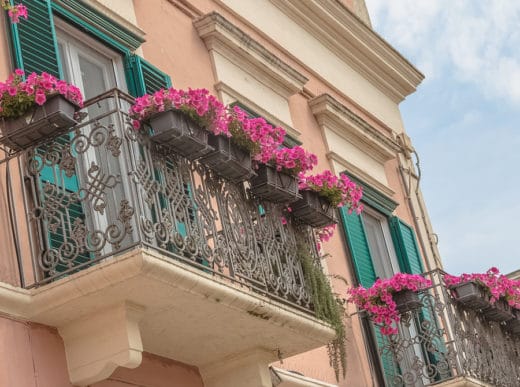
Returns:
<point x="380" y="244"/>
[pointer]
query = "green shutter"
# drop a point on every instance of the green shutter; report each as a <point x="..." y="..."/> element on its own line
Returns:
<point x="358" y="246"/>
<point x="144" y="78"/>
<point x="34" y="40"/>
<point x="406" y="246"/>
<point x="366" y="275"/>
<point x="410" y="261"/>
<point x="36" y="50"/>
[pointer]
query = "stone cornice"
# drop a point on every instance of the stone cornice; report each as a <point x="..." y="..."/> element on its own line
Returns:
<point x="336" y="117"/>
<point x="355" y="43"/>
<point x="222" y="36"/>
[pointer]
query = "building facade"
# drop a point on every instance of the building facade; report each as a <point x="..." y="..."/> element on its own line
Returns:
<point x="123" y="265"/>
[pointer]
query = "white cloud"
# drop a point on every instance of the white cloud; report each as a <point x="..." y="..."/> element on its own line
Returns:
<point x="479" y="39"/>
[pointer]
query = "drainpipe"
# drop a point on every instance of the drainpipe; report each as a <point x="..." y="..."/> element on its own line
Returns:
<point x="418" y="210"/>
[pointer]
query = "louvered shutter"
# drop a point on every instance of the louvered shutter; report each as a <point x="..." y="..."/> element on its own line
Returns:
<point x="143" y="77"/>
<point x="35" y="50"/>
<point x="34" y="40"/>
<point x="365" y="273"/>
<point x="410" y="261"/>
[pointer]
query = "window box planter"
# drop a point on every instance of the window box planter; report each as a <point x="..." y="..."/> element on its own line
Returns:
<point x="54" y="117"/>
<point x="178" y="132"/>
<point x="406" y="301"/>
<point x="471" y="295"/>
<point x="227" y="159"/>
<point x="313" y="209"/>
<point x="277" y="187"/>
<point x="513" y="325"/>
<point x="499" y="311"/>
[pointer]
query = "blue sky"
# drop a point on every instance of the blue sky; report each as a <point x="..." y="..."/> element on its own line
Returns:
<point x="464" y="121"/>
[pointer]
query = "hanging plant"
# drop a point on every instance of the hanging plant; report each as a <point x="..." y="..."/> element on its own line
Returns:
<point x="327" y="307"/>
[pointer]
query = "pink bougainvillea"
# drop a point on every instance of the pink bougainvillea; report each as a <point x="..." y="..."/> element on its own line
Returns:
<point x="18" y="96"/>
<point x="378" y="300"/>
<point x="198" y="104"/>
<point x="293" y="161"/>
<point x="340" y="191"/>
<point x="498" y="285"/>
<point x="15" y="12"/>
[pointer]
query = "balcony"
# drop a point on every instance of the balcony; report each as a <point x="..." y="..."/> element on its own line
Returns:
<point x="113" y="230"/>
<point x="444" y="344"/>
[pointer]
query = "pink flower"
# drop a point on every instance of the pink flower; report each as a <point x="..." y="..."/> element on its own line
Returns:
<point x="378" y="301"/>
<point x="40" y="98"/>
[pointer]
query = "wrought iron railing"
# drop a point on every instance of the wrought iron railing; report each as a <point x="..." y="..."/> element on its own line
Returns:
<point x="444" y="341"/>
<point x="104" y="188"/>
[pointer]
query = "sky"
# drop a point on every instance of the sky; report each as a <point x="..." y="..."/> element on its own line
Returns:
<point x="464" y="121"/>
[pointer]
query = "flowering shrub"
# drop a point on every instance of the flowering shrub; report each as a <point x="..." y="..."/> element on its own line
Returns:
<point x="496" y="284"/>
<point x="18" y="96"/>
<point x="293" y="160"/>
<point x="14" y="11"/>
<point x="338" y="191"/>
<point x="378" y="301"/>
<point x="198" y="104"/>
<point x="254" y="134"/>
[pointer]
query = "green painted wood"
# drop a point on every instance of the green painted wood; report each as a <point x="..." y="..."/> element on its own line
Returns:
<point x="411" y="262"/>
<point x="36" y="50"/>
<point x="34" y="40"/>
<point x="96" y="24"/>
<point x="406" y="246"/>
<point x="358" y="247"/>
<point x="143" y="77"/>
<point x="374" y="198"/>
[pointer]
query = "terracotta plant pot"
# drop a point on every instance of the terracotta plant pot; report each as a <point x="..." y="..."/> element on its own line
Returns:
<point x="313" y="209"/>
<point x="274" y="186"/>
<point x="471" y="295"/>
<point x="54" y="117"/>
<point x="178" y="132"/>
<point x="406" y="300"/>
<point x="227" y="159"/>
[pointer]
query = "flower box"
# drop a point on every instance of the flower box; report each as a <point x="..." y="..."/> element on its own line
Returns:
<point x="406" y="300"/>
<point x="471" y="295"/>
<point x="227" y="159"/>
<point x="54" y="117"/>
<point x="513" y="325"/>
<point x="498" y="311"/>
<point x="178" y="132"/>
<point x="313" y="209"/>
<point x="275" y="186"/>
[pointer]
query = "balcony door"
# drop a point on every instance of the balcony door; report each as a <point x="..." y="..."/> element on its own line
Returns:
<point x="94" y="69"/>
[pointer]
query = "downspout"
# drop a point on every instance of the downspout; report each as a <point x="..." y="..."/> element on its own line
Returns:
<point x="406" y="173"/>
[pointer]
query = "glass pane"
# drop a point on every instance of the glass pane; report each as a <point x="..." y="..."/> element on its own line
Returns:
<point x="378" y="248"/>
<point x="93" y="78"/>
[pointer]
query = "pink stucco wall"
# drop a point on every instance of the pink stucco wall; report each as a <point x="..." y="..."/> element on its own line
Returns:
<point x="32" y="355"/>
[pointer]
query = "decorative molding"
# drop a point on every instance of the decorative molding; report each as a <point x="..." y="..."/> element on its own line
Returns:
<point x="108" y="22"/>
<point x="96" y="345"/>
<point x="222" y="36"/>
<point x="342" y="32"/>
<point x="373" y="197"/>
<point x="354" y="171"/>
<point x="96" y="313"/>
<point x="341" y="120"/>
<point x="224" y="88"/>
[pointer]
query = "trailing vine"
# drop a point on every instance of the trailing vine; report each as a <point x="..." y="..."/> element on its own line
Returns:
<point x="327" y="307"/>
